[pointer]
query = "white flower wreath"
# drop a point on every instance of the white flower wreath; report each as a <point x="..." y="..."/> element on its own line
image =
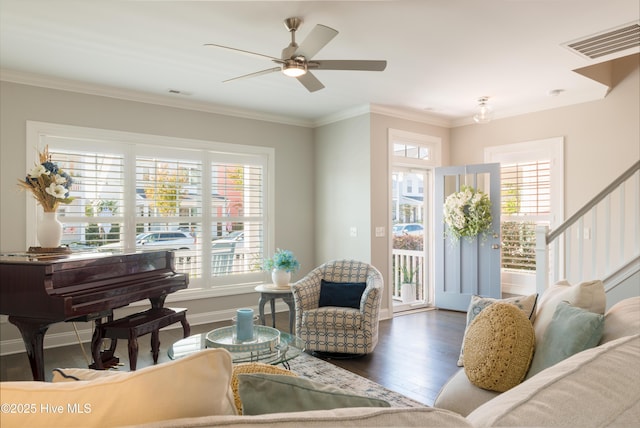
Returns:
<point x="467" y="213"/>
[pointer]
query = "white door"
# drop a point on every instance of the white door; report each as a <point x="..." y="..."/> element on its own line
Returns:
<point x="466" y="267"/>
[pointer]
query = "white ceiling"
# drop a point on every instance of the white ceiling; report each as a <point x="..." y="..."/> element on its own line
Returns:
<point x="442" y="54"/>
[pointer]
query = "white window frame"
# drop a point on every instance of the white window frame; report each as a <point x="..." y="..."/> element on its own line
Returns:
<point x="551" y="149"/>
<point x="38" y="132"/>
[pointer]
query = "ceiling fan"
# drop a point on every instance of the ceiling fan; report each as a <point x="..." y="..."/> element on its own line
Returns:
<point x="296" y="61"/>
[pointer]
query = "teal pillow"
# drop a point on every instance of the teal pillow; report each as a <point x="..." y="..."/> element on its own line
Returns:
<point x="262" y="393"/>
<point x="571" y="330"/>
<point x="342" y="294"/>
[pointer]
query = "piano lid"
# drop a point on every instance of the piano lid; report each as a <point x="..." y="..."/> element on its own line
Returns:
<point x="48" y="258"/>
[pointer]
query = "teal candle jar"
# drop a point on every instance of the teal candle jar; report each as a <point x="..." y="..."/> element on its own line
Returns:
<point x="244" y="324"/>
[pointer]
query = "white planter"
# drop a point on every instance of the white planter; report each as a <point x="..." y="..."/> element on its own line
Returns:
<point x="280" y="278"/>
<point x="408" y="293"/>
<point x="49" y="230"/>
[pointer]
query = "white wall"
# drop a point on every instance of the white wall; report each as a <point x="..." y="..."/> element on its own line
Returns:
<point x="343" y="190"/>
<point x="294" y="179"/>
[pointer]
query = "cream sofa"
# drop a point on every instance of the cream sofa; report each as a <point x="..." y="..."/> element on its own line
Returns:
<point x="596" y="387"/>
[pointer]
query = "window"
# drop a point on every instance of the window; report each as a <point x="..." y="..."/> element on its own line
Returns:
<point x="205" y="200"/>
<point x="531" y="194"/>
<point x="526" y="202"/>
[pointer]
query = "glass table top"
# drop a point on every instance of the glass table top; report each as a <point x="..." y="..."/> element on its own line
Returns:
<point x="288" y="347"/>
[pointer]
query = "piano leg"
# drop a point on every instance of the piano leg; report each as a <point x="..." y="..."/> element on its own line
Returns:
<point x="102" y="359"/>
<point x="33" y="331"/>
<point x="157" y="302"/>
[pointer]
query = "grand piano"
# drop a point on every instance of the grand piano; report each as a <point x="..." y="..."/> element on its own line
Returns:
<point x="37" y="290"/>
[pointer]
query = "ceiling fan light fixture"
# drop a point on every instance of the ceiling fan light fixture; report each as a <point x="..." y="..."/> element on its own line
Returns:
<point x="294" y="68"/>
<point x="485" y="112"/>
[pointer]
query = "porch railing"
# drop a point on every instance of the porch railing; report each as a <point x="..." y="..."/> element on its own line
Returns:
<point x="413" y="261"/>
<point x="600" y="239"/>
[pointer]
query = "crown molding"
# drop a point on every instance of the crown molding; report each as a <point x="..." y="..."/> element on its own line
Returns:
<point x="49" y="82"/>
<point x="413" y="115"/>
<point x="343" y="115"/>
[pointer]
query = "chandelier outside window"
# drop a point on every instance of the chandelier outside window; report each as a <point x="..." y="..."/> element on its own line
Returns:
<point x="485" y="112"/>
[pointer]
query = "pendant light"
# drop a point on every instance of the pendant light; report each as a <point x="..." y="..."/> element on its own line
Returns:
<point x="485" y="112"/>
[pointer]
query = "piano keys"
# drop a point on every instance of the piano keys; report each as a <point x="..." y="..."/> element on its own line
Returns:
<point x="37" y="290"/>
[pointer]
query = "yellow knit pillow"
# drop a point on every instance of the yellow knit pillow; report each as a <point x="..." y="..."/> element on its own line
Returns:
<point x="498" y="347"/>
<point x="252" y="368"/>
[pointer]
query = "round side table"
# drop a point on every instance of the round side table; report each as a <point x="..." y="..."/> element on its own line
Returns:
<point x="270" y="294"/>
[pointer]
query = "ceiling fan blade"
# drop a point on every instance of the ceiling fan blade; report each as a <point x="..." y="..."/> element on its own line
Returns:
<point x="257" y="73"/>
<point x="272" y="58"/>
<point x="360" y="65"/>
<point x="316" y="40"/>
<point x="310" y="82"/>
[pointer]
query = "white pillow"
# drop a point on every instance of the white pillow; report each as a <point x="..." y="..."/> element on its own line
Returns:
<point x="587" y="295"/>
<point x="195" y="385"/>
<point x="75" y="374"/>
<point x="622" y="319"/>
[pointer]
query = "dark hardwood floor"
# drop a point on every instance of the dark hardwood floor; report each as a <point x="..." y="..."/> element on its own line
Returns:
<point x="415" y="356"/>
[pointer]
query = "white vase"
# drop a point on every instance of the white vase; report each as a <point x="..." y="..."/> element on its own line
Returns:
<point x="49" y="230"/>
<point x="280" y="278"/>
<point x="408" y="292"/>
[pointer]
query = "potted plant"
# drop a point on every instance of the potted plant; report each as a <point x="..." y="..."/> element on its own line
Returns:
<point x="408" y="287"/>
<point x="281" y="265"/>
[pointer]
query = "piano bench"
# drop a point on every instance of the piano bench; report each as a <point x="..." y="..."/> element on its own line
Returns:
<point x="135" y="325"/>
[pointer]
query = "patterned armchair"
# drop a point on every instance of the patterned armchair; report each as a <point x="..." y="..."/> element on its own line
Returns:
<point x="339" y="329"/>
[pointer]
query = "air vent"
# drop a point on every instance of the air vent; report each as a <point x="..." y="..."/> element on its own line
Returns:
<point x="610" y="42"/>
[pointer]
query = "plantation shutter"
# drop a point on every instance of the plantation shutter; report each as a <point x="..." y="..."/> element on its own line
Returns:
<point x="237" y="208"/>
<point x="95" y="216"/>
<point x="526" y="202"/>
<point x="123" y="190"/>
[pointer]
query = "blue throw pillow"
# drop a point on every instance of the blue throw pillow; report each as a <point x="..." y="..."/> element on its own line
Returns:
<point x="271" y="393"/>
<point x="342" y="294"/>
<point x="571" y="330"/>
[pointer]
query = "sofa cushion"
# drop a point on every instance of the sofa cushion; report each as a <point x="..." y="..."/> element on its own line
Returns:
<point x="571" y="330"/>
<point x="622" y="319"/>
<point x="498" y="347"/>
<point x="588" y="295"/>
<point x="527" y="304"/>
<point x="262" y="393"/>
<point x="341" y="294"/>
<point x="594" y="388"/>
<point x="196" y="385"/>
<point x="76" y="374"/>
<point x="369" y="417"/>
<point x="244" y="368"/>
<point x="461" y="396"/>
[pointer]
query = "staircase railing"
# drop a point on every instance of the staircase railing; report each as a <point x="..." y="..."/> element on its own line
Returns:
<point x="599" y="239"/>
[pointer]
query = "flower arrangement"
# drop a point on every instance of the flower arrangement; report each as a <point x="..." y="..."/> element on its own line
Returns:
<point x="467" y="213"/>
<point x="48" y="184"/>
<point x="282" y="260"/>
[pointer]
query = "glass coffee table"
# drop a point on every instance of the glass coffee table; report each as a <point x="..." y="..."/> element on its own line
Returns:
<point x="287" y="348"/>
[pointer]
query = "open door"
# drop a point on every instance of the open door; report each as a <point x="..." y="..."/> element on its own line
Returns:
<point x="466" y="267"/>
